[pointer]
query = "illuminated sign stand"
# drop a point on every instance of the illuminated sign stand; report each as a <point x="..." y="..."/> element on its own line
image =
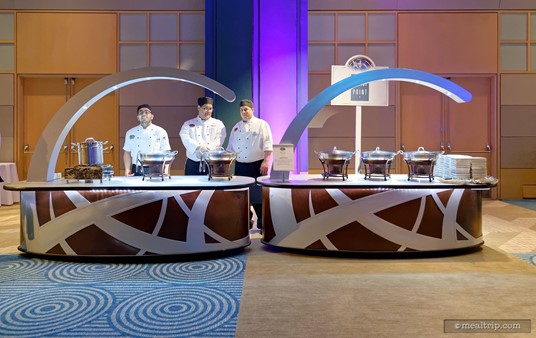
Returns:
<point x="369" y="94"/>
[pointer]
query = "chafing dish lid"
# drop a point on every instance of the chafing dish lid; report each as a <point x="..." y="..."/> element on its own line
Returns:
<point x="335" y="154"/>
<point x="378" y="154"/>
<point x="421" y="155"/>
<point x="158" y="156"/>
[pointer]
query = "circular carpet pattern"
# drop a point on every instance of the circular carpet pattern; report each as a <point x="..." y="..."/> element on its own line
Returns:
<point x="52" y="310"/>
<point x="197" y="272"/>
<point x="16" y="269"/>
<point x="174" y="312"/>
<point x="49" y="298"/>
<point x="75" y="273"/>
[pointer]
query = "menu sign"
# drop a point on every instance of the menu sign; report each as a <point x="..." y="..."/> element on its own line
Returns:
<point x="283" y="157"/>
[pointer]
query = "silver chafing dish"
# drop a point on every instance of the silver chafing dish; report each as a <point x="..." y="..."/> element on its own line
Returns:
<point x="220" y="163"/>
<point x="421" y="163"/>
<point x="156" y="164"/>
<point x="335" y="162"/>
<point x="377" y="162"/>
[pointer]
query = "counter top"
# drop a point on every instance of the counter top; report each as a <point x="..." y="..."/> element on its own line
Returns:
<point x="136" y="183"/>
<point x="398" y="181"/>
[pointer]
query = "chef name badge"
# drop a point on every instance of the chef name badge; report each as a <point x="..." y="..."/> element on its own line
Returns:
<point x="283" y="155"/>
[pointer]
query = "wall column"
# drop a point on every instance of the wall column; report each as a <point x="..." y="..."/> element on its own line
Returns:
<point x="280" y="66"/>
<point x="228" y="46"/>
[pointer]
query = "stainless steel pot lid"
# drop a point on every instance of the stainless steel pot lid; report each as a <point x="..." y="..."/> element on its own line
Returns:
<point x="421" y="155"/>
<point x="90" y="142"/>
<point x="335" y="154"/>
<point x="378" y="154"/>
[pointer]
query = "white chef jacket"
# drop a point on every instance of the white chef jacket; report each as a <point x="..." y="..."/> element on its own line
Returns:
<point x="152" y="139"/>
<point x="197" y="132"/>
<point x="250" y="140"/>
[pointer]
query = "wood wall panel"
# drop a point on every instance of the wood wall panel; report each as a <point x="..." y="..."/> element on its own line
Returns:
<point x="448" y="42"/>
<point x="419" y="4"/>
<point x="6" y="92"/>
<point x="6" y="134"/>
<point x="518" y="121"/>
<point x="420" y="117"/>
<point x="518" y="152"/>
<point x="100" y="5"/>
<point x="378" y="121"/>
<point x="518" y="89"/>
<point x="317" y="83"/>
<point x="66" y="43"/>
<point x="513" y="180"/>
<point x="529" y="191"/>
<point x="340" y="124"/>
<point x="385" y="143"/>
<point x="468" y="126"/>
<point x="161" y="93"/>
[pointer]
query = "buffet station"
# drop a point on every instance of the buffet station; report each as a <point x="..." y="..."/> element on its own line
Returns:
<point x="92" y="213"/>
<point x="377" y="212"/>
<point x="134" y="216"/>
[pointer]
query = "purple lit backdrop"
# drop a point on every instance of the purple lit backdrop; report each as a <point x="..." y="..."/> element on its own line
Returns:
<point x="280" y="66"/>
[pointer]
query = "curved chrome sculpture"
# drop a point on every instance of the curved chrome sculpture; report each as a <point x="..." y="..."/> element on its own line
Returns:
<point x="307" y="113"/>
<point x="49" y="145"/>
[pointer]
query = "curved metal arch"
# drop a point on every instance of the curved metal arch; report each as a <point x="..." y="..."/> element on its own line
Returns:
<point x="307" y="113"/>
<point x="49" y="144"/>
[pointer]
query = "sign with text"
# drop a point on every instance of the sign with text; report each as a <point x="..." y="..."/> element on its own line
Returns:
<point x="283" y="157"/>
<point x="369" y="94"/>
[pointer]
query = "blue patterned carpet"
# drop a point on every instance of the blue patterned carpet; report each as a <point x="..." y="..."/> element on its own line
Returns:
<point x="43" y="298"/>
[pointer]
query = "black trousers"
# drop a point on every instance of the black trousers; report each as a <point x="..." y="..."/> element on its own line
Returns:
<point x="252" y="169"/>
<point x="137" y="170"/>
<point x="192" y="168"/>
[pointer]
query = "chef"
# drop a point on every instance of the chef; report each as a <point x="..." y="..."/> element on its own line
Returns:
<point x="201" y="134"/>
<point x="251" y="138"/>
<point x="145" y="138"/>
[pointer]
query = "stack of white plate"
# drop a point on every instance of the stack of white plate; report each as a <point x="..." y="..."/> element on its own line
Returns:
<point x="439" y="166"/>
<point x="479" y="167"/>
<point x="462" y="167"/>
<point x="459" y="166"/>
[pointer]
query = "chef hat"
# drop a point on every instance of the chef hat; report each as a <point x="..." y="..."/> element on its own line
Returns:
<point x="145" y="105"/>
<point x="247" y="103"/>
<point x="203" y="101"/>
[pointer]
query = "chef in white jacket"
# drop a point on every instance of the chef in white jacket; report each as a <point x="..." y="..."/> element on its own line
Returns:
<point x="146" y="137"/>
<point x="201" y="134"/>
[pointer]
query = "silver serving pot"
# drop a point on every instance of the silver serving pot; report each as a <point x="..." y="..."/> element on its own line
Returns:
<point x="220" y="163"/>
<point x="156" y="164"/>
<point x="219" y="154"/>
<point x="90" y="152"/>
<point x="335" y="155"/>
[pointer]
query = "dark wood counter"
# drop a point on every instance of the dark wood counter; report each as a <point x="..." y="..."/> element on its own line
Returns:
<point x="358" y="215"/>
<point x="130" y="217"/>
